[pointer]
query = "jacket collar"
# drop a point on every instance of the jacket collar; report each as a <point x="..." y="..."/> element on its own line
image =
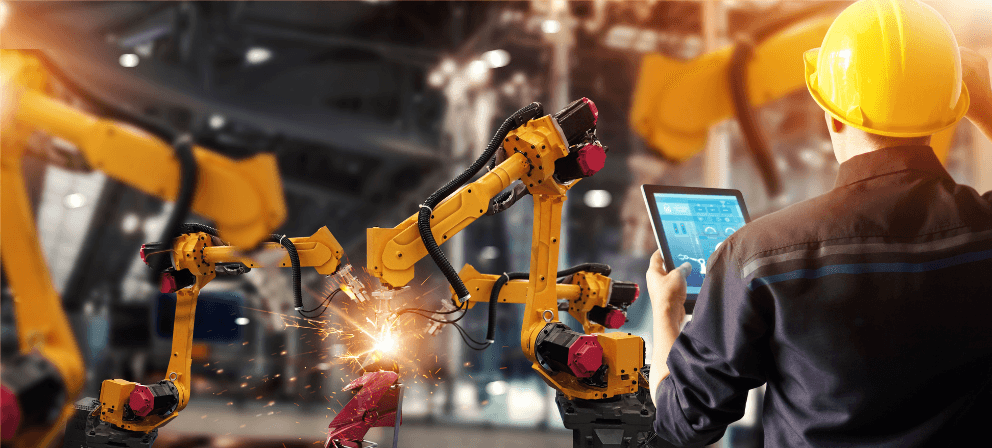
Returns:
<point x="888" y="161"/>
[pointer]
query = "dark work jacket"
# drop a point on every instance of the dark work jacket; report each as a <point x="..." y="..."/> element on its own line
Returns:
<point x="867" y="311"/>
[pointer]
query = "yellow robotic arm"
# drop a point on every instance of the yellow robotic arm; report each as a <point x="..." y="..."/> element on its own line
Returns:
<point x="243" y="197"/>
<point x="675" y="102"/>
<point x="195" y="258"/>
<point x="548" y="154"/>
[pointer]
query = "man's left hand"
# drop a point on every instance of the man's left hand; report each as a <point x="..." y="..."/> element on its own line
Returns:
<point x="667" y="292"/>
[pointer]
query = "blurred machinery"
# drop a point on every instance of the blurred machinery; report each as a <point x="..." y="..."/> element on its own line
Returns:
<point x="131" y="413"/>
<point x="40" y="384"/>
<point x="764" y="63"/>
<point x="548" y="154"/>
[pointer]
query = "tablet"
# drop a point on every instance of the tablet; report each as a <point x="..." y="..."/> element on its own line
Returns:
<point x="690" y="223"/>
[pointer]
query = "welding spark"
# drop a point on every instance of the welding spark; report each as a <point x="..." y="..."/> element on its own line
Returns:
<point x="348" y="291"/>
<point x="385" y="344"/>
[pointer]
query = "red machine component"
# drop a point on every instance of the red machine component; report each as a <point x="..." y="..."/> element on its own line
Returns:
<point x="609" y="316"/>
<point x="11" y="414"/>
<point x="375" y="404"/>
<point x="142" y="401"/>
<point x="167" y="284"/>
<point x="592" y="158"/>
<point x="160" y="398"/>
<point x="585" y="356"/>
<point x="624" y="294"/>
<point x="562" y="349"/>
<point x="615" y="319"/>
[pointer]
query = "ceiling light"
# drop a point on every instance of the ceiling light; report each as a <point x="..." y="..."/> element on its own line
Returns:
<point x="496" y="58"/>
<point x="489" y="253"/>
<point x="497" y="388"/>
<point x="216" y="121"/>
<point x="130" y="223"/>
<point x="128" y="60"/>
<point x="257" y="55"/>
<point x="448" y="66"/>
<point x="551" y="26"/>
<point x="435" y="79"/>
<point x="74" y="200"/>
<point x="477" y="71"/>
<point x="241" y="321"/>
<point x="597" y="198"/>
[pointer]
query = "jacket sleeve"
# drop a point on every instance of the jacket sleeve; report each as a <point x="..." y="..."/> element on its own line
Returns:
<point x="719" y="356"/>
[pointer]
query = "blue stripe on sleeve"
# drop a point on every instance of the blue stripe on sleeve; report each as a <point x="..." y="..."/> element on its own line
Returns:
<point x="867" y="268"/>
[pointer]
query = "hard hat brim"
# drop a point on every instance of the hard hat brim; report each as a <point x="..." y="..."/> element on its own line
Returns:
<point x="810" y="58"/>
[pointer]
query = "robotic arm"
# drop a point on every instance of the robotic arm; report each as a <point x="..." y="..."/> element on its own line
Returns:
<point x="549" y="154"/>
<point x="243" y="197"/>
<point x="139" y="410"/>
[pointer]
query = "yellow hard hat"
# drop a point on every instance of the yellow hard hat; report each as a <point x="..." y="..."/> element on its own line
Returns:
<point x="889" y="67"/>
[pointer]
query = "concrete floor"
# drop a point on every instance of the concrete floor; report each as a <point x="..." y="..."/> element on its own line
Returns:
<point x="209" y="424"/>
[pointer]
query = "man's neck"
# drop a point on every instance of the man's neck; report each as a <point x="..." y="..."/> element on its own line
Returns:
<point x="863" y="143"/>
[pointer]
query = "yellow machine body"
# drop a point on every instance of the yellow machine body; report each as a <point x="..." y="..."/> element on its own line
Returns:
<point x="392" y="253"/>
<point x="675" y="103"/>
<point x="243" y="197"/>
<point x="586" y="290"/>
<point x="42" y="325"/>
<point x="320" y="250"/>
<point x="623" y="353"/>
<point x="531" y="151"/>
<point x="195" y="252"/>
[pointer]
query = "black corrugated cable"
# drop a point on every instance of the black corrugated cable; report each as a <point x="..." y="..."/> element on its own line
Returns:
<point x="427" y="208"/>
<point x="747" y="117"/>
<point x="194" y="227"/>
<point x="188" y="169"/>
<point x="598" y="268"/>
<point x="294" y="260"/>
<point x="181" y="143"/>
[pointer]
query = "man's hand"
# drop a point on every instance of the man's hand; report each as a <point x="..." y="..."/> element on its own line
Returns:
<point x="667" y="292"/>
<point x="976" y="76"/>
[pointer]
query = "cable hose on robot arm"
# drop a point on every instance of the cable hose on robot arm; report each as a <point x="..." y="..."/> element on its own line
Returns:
<point x="195" y="227"/>
<point x="294" y="261"/>
<point x="598" y="268"/>
<point x="737" y="76"/>
<point x="520" y="117"/>
<point x="182" y="143"/>
<point x="188" y="171"/>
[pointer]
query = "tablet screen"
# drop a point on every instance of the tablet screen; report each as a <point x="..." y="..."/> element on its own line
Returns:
<point x="694" y="225"/>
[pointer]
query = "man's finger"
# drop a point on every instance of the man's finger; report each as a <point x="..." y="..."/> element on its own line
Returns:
<point x="676" y="280"/>
<point x="658" y="262"/>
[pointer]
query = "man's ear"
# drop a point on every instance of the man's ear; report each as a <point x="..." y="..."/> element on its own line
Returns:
<point x="836" y="125"/>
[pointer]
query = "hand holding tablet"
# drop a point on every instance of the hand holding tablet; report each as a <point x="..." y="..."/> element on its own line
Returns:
<point x="690" y="224"/>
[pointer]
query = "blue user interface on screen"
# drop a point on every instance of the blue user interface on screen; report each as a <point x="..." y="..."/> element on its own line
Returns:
<point x="694" y="225"/>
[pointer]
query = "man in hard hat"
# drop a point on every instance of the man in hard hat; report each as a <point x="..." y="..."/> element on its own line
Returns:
<point x="865" y="310"/>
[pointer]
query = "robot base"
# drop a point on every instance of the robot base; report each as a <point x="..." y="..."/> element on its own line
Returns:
<point x="86" y="430"/>
<point x="624" y="421"/>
